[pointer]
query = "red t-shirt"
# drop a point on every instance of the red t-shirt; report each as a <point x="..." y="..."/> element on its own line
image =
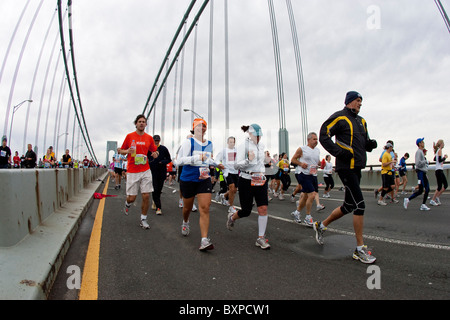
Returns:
<point x="144" y="144"/>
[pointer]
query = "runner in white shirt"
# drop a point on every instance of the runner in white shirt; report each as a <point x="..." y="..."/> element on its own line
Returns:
<point x="228" y="158"/>
<point x="307" y="159"/>
<point x="252" y="182"/>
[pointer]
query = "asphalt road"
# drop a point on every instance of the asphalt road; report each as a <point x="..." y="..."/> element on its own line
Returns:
<point x="412" y="249"/>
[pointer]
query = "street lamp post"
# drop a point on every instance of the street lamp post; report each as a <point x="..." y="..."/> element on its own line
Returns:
<point x="15" y="108"/>
<point x="186" y="110"/>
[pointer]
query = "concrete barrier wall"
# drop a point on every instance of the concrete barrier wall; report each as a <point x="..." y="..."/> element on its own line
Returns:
<point x="29" y="196"/>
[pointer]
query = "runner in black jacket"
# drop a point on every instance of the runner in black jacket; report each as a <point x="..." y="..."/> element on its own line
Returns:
<point x="351" y="144"/>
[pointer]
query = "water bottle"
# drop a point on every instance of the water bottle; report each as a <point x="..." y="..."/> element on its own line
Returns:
<point x="133" y="147"/>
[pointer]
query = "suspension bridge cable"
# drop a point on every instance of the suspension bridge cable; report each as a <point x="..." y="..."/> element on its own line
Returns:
<point x="194" y="22"/>
<point x="30" y="95"/>
<point x="298" y="61"/>
<point x="443" y="14"/>
<point x="210" y="67"/>
<point x="166" y="58"/>
<point x="9" y="48"/>
<point x="69" y="4"/>
<point x="279" y="75"/>
<point x="43" y="89"/>
<point x="63" y="46"/>
<point x="194" y="69"/>
<point x="19" y="60"/>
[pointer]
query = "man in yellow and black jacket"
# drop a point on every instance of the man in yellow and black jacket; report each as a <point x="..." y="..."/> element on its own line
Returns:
<point x="350" y="132"/>
<point x="351" y="144"/>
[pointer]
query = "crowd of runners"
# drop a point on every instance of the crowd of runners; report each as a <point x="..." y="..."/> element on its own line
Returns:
<point x="248" y="171"/>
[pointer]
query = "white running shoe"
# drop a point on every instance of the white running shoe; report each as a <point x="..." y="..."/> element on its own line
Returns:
<point x="206" y="244"/>
<point x="296" y="216"/>
<point x="185" y="230"/>
<point x="230" y="222"/>
<point x="144" y="224"/>
<point x="263" y="243"/>
<point x="433" y="203"/>
<point x="424" y="207"/>
<point x="405" y="203"/>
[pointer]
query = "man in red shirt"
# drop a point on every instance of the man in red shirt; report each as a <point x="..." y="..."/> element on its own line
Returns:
<point x="139" y="177"/>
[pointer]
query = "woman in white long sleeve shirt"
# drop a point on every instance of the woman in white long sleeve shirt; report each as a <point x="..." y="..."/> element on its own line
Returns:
<point x="195" y="156"/>
<point x="252" y="182"/>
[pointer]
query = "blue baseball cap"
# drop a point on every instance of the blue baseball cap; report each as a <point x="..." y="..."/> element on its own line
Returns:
<point x="419" y="141"/>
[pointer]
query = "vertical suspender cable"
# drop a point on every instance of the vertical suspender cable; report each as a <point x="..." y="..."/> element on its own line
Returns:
<point x="298" y="61"/>
<point x="30" y="96"/>
<point x="194" y="68"/>
<point x="180" y="103"/>
<point x="69" y="5"/>
<point x="174" y="107"/>
<point x="227" y="81"/>
<point x="210" y="72"/>
<point x="183" y="42"/>
<point x="9" y="48"/>
<point x="11" y="92"/>
<point x="279" y="75"/>
<point x="38" y="121"/>
<point x="183" y="21"/>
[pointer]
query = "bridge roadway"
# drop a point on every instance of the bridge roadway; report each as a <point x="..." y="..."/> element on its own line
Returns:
<point x="412" y="249"/>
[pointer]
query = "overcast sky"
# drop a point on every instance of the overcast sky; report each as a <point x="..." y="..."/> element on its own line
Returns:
<point x="396" y="53"/>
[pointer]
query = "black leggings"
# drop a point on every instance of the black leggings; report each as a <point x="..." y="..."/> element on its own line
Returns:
<point x="329" y="183"/>
<point x="246" y="194"/>
<point x="441" y="180"/>
<point x="353" y="199"/>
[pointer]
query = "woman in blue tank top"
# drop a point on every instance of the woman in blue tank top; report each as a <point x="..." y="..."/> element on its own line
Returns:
<point x="195" y="156"/>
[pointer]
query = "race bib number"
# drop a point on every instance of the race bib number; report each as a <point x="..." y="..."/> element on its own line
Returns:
<point x="204" y="173"/>
<point x="258" y="179"/>
<point x="140" y="159"/>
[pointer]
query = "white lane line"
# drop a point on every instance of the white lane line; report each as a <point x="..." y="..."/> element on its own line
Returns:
<point x="370" y="237"/>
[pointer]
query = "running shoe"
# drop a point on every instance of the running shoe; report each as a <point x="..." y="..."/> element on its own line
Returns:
<point x="144" y="224"/>
<point x="185" y="230"/>
<point x="433" y="203"/>
<point x="381" y="203"/>
<point x="232" y="209"/>
<point x="281" y="197"/>
<point x="308" y="221"/>
<point x="376" y="193"/>
<point x="194" y="208"/>
<point x="320" y="207"/>
<point x="405" y="203"/>
<point x="180" y="203"/>
<point x="126" y="208"/>
<point x="206" y="244"/>
<point x="296" y="216"/>
<point x="394" y="200"/>
<point x="319" y="232"/>
<point x="364" y="255"/>
<point x="292" y="198"/>
<point x="230" y="222"/>
<point x="438" y="201"/>
<point x="263" y="243"/>
<point x="158" y="212"/>
<point x="424" y="207"/>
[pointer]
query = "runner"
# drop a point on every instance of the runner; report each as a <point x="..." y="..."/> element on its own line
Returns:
<point x="421" y="169"/>
<point x="252" y="182"/>
<point x="328" y="176"/>
<point x="136" y="146"/>
<point x="195" y="155"/>
<point x="307" y="159"/>
<point x="439" y="172"/>
<point x="352" y="142"/>
<point x="228" y="158"/>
